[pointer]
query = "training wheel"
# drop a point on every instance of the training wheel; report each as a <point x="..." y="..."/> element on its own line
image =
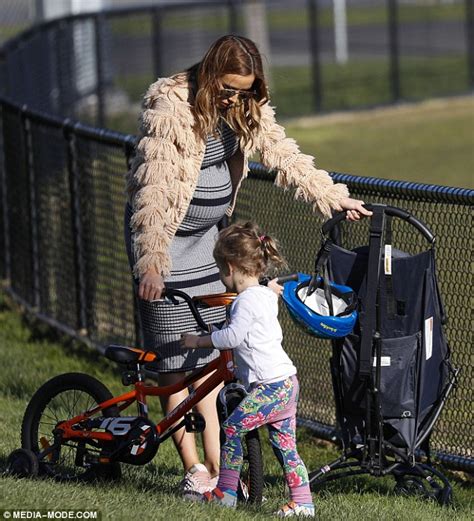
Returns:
<point x="23" y="463"/>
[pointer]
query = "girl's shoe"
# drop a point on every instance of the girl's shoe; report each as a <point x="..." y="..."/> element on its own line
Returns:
<point x="213" y="482"/>
<point x="217" y="496"/>
<point x="295" y="509"/>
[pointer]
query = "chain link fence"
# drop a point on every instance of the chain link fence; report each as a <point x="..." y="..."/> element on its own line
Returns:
<point x="62" y="194"/>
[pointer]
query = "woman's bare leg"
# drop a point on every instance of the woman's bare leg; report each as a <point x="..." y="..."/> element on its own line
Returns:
<point x="211" y="434"/>
<point x="185" y="442"/>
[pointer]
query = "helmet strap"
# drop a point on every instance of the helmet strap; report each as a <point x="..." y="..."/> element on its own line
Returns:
<point x="321" y="274"/>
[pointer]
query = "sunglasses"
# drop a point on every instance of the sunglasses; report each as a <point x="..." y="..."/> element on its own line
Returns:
<point x="242" y="95"/>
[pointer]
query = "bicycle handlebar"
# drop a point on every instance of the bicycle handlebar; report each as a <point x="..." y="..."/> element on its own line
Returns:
<point x="171" y="294"/>
<point x="389" y="210"/>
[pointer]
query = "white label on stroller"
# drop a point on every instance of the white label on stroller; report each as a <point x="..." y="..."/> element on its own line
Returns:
<point x="428" y="337"/>
<point x="388" y="259"/>
<point x="384" y="361"/>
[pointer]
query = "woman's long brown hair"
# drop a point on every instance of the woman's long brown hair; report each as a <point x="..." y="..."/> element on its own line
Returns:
<point x="228" y="55"/>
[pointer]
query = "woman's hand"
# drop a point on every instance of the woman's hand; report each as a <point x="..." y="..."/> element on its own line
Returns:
<point x="151" y="285"/>
<point x="354" y="208"/>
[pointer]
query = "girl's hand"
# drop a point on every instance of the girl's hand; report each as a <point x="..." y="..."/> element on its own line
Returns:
<point x="275" y="287"/>
<point x="189" y="341"/>
<point x="354" y="208"/>
<point x="151" y="285"/>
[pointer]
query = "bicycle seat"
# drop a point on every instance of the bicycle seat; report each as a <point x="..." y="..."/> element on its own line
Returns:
<point x="129" y="355"/>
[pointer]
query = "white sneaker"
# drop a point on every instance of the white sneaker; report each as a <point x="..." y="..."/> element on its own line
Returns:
<point x="196" y="481"/>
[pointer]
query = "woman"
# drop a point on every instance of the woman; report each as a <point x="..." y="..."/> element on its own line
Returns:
<point x="198" y="129"/>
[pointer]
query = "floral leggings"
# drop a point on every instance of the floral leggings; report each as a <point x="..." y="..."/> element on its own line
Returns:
<point x="274" y="405"/>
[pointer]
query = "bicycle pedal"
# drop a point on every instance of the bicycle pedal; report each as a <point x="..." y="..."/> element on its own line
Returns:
<point x="194" y="422"/>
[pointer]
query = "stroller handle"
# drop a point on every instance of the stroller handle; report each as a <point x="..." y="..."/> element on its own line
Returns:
<point x="389" y="210"/>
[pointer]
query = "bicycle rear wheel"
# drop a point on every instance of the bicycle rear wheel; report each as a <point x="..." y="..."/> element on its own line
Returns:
<point x="59" y="399"/>
<point x="252" y="470"/>
<point x="251" y="476"/>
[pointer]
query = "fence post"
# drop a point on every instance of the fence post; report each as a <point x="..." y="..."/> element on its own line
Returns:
<point x="314" y="51"/>
<point x="59" y="31"/>
<point x="394" y="69"/>
<point x="156" y="42"/>
<point x="33" y="214"/>
<point x="99" y="56"/>
<point x="76" y="225"/>
<point x="470" y="41"/>
<point x="233" y="17"/>
<point x="4" y="202"/>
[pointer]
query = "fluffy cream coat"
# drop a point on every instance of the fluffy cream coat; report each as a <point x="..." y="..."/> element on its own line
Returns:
<point x="165" y="170"/>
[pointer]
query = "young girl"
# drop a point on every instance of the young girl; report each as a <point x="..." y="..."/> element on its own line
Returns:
<point x="243" y="255"/>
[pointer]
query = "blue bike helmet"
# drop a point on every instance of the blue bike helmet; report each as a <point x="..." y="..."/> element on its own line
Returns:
<point x="307" y="300"/>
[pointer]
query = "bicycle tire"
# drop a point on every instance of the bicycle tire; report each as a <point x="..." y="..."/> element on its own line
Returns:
<point x="250" y="487"/>
<point x="254" y="462"/>
<point x="54" y="397"/>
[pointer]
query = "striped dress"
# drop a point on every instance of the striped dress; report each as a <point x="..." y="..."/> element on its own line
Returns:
<point x="193" y="267"/>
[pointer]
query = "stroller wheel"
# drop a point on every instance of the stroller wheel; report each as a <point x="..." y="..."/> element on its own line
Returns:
<point x="23" y="463"/>
<point x="445" y="496"/>
<point x="432" y="486"/>
<point x="413" y="486"/>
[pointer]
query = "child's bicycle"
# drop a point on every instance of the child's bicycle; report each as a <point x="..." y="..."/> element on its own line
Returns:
<point x="73" y="429"/>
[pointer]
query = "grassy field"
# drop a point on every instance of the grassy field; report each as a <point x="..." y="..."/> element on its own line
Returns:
<point x="28" y="357"/>
<point x="427" y="142"/>
<point x="365" y="83"/>
<point x="289" y="18"/>
<point x="359" y="83"/>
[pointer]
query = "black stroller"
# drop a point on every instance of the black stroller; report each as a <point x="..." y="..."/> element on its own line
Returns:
<point x="392" y="375"/>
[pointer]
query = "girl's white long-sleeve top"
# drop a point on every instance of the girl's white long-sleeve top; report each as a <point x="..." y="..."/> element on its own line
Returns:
<point x="255" y="335"/>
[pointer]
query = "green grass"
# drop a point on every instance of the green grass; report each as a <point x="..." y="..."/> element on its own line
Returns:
<point x="365" y="15"/>
<point x="363" y="83"/>
<point x="9" y="31"/>
<point x="357" y="84"/>
<point x="284" y="19"/>
<point x="430" y="142"/>
<point x="28" y="356"/>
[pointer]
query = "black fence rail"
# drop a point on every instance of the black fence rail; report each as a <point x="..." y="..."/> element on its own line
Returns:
<point x="62" y="182"/>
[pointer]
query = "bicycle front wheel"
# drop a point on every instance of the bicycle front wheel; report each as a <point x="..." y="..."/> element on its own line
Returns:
<point x="60" y="399"/>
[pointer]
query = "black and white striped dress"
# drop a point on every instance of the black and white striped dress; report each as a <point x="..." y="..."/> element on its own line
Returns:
<point x="193" y="267"/>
